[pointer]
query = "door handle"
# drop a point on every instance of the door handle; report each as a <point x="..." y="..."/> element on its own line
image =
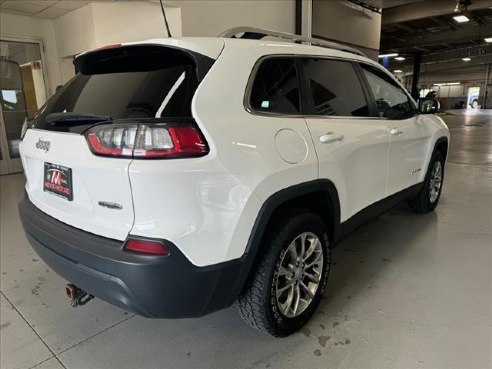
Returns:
<point x="397" y="131"/>
<point x="331" y="137"/>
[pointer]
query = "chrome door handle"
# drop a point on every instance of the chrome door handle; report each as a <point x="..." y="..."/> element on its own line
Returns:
<point x="331" y="137"/>
<point x="397" y="131"/>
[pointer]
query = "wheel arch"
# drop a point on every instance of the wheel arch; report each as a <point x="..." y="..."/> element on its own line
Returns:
<point x="319" y="196"/>
<point x="305" y="195"/>
<point x="442" y="145"/>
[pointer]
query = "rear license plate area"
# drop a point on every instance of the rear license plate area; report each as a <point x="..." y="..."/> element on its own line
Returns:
<point x="58" y="180"/>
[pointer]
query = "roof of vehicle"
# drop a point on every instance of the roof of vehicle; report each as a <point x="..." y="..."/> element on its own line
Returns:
<point x="273" y="42"/>
<point x="212" y="46"/>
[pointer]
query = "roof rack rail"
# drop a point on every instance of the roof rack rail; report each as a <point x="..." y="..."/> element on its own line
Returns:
<point x="253" y="33"/>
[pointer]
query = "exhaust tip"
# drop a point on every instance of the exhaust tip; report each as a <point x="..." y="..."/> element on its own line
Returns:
<point x="71" y="291"/>
<point x="77" y="296"/>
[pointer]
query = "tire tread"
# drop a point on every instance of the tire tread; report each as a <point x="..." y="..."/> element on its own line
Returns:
<point x="253" y="302"/>
<point x="420" y="203"/>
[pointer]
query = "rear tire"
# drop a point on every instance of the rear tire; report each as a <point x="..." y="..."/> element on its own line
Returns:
<point x="288" y="281"/>
<point x="428" y="197"/>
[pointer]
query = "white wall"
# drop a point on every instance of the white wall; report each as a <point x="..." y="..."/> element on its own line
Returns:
<point x="75" y="31"/>
<point x="91" y="26"/>
<point x="126" y="22"/>
<point x="67" y="69"/>
<point x="471" y="77"/>
<point x="334" y="21"/>
<point x="100" y="24"/>
<point x="24" y="28"/>
<point x="211" y="17"/>
<point x="468" y="77"/>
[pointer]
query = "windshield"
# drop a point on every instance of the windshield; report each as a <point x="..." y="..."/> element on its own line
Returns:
<point x="143" y="83"/>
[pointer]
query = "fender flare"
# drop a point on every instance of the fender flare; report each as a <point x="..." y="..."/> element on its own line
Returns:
<point x="290" y="193"/>
<point x="440" y="140"/>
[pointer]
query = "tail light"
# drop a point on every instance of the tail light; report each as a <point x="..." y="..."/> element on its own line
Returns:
<point x="146" y="247"/>
<point x="147" y="141"/>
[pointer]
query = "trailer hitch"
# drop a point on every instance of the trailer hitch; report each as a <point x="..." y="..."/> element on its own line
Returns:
<point x="77" y="296"/>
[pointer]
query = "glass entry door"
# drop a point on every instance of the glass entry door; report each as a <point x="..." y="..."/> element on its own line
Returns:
<point x="22" y="92"/>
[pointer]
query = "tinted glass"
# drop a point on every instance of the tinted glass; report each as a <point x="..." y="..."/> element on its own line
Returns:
<point x="391" y="100"/>
<point x="125" y="88"/>
<point x="275" y="88"/>
<point x="335" y="88"/>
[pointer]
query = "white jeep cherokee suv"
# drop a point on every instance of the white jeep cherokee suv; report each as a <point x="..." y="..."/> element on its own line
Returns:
<point x="173" y="177"/>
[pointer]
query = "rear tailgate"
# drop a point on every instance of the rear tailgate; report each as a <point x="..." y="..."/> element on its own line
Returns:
<point x="119" y="86"/>
<point x="100" y="188"/>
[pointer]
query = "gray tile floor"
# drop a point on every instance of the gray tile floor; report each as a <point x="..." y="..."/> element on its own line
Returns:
<point x="406" y="291"/>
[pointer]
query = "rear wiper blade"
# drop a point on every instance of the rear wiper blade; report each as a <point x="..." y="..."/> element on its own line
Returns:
<point x="54" y="118"/>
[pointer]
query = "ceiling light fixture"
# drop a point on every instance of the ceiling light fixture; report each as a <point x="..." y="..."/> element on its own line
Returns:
<point x="488" y="39"/>
<point x="397" y="71"/>
<point x="447" y="84"/>
<point x="387" y="55"/>
<point x="400" y="58"/>
<point x="466" y="59"/>
<point x="461" y="18"/>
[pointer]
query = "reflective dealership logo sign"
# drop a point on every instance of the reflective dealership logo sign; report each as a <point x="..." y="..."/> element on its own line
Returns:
<point x="56" y="177"/>
<point x="43" y="145"/>
<point x="58" y="180"/>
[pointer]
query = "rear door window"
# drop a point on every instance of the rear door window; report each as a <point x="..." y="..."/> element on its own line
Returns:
<point x="275" y="88"/>
<point x="335" y="88"/>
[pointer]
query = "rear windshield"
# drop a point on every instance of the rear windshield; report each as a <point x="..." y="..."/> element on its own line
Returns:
<point x="124" y="83"/>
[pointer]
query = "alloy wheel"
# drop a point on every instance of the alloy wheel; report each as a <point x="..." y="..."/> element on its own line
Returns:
<point x="299" y="274"/>
<point x="435" y="182"/>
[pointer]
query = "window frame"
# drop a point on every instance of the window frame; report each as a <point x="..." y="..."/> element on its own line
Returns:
<point x="305" y="99"/>
<point x="395" y="83"/>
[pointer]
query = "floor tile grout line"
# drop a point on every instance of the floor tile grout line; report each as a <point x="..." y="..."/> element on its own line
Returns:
<point x="96" y="334"/>
<point x="55" y="355"/>
<point x="42" y="362"/>
<point x="32" y="328"/>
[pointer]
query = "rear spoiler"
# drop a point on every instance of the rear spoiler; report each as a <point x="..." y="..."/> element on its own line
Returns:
<point x="105" y="59"/>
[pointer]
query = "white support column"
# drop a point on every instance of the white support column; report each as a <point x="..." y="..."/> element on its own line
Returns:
<point x="307" y="18"/>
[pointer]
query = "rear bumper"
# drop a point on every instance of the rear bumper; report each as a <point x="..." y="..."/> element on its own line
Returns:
<point x="152" y="286"/>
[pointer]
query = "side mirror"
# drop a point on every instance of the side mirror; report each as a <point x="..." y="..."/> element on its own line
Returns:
<point x="428" y="106"/>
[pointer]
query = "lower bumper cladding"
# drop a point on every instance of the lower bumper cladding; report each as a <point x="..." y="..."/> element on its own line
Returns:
<point x="157" y="286"/>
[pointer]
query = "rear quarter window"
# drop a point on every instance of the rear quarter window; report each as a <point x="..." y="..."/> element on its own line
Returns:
<point x="275" y="87"/>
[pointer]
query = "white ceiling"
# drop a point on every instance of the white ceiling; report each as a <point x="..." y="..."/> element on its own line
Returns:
<point x="48" y="9"/>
